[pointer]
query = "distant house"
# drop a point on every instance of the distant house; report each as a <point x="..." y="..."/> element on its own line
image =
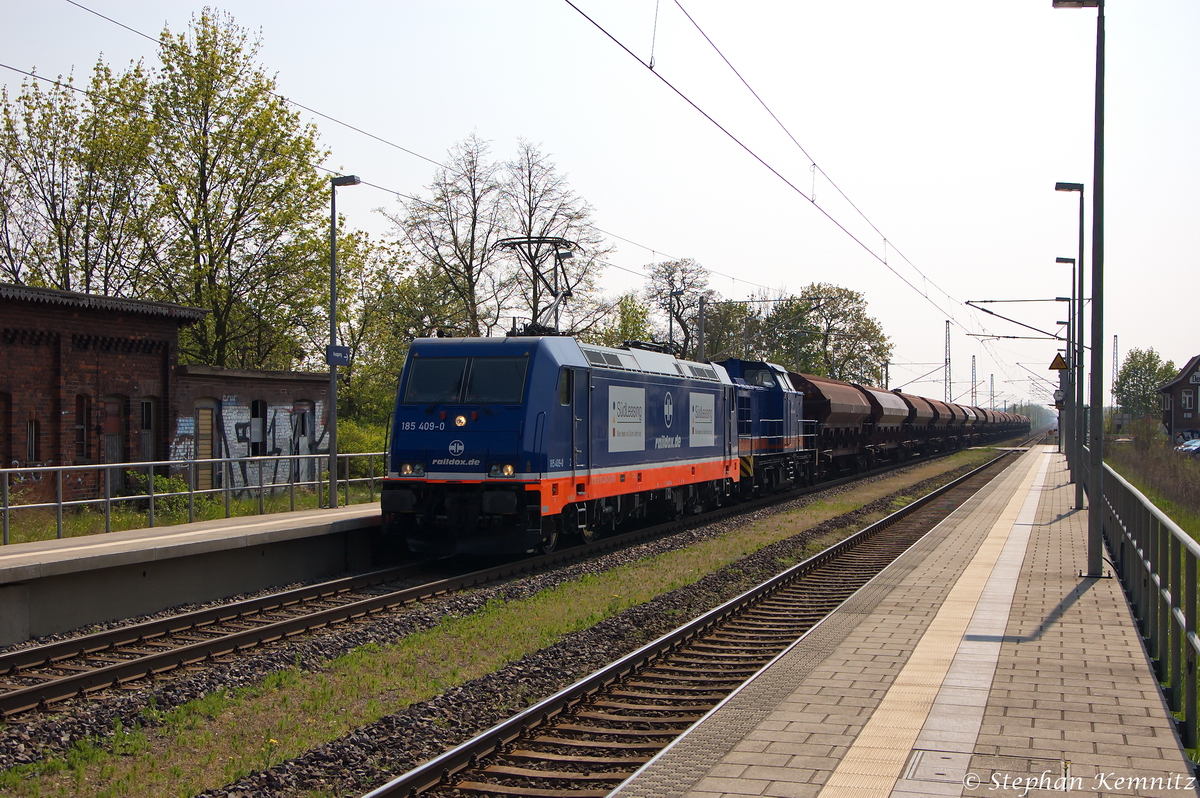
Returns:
<point x="1179" y="399"/>
<point x="95" y="379"/>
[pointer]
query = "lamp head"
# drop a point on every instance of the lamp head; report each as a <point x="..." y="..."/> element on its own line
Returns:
<point x="1068" y="186"/>
<point x="345" y="180"/>
<point x="1065" y="260"/>
<point x="1075" y="3"/>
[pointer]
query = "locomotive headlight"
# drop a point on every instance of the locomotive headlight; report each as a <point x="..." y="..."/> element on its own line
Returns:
<point x="499" y="470"/>
<point x="508" y="470"/>
<point x="406" y="469"/>
<point x="460" y="421"/>
<point x="412" y="470"/>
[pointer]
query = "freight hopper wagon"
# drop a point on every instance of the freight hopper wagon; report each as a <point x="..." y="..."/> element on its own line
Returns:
<point x="506" y="444"/>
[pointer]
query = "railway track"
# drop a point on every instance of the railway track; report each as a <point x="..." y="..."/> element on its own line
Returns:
<point x="37" y="677"/>
<point x="587" y="739"/>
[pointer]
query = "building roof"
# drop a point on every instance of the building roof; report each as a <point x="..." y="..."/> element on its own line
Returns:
<point x="51" y="296"/>
<point x="216" y="372"/>
<point x="1183" y="372"/>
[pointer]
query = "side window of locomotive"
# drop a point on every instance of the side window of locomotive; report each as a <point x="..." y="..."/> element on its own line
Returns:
<point x="435" y="379"/>
<point x="762" y="377"/>
<point x="564" y="387"/>
<point x="496" y="380"/>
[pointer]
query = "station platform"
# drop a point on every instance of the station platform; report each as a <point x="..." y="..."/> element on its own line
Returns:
<point x="978" y="664"/>
<point x="52" y="586"/>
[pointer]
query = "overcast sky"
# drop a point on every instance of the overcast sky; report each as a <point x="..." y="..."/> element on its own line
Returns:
<point x="946" y="123"/>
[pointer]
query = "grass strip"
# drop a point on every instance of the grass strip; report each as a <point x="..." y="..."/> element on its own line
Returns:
<point x="39" y="523"/>
<point x="1187" y="518"/>
<point x="226" y="735"/>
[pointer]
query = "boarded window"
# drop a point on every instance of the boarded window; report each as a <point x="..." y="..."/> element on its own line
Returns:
<point x="258" y="428"/>
<point x="33" y="443"/>
<point x="112" y="425"/>
<point x="208" y="445"/>
<point x="149" y="441"/>
<point x="83" y="428"/>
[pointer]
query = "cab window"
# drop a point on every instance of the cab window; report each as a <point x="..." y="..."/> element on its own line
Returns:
<point x="435" y="379"/>
<point x="564" y="387"/>
<point x="466" y="380"/>
<point x="496" y="380"/>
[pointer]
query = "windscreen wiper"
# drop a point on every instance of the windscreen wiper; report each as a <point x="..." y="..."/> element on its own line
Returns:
<point x="445" y="395"/>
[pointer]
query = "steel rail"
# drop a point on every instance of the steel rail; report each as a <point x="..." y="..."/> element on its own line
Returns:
<point x="441" y="769"/>
<point x="26" y="698"/>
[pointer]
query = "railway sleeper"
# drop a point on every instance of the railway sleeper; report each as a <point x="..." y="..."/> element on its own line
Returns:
<point x="721" y="645"/>
<point x="557" y="775"/>
<point x="582" y="759"/>
<point x="605" y="731"/>
<point x="717" y="694"/>
<point x="708" y="685"/>
<point x="657" y="720"/>
<point x="725" y="661"/>
<point x="655" y="707"/>
<point x="524" y="792"/>
<point x="622" y="745"/>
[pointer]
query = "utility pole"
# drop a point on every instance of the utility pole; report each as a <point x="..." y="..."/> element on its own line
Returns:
<point x="992" y="403"/>
<point x="1113" y="390"/>
<point x="947" y="360"/>
<point x="974" y="401"/>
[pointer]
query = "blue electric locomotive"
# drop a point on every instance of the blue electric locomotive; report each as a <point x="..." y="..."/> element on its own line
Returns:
<point x="504" y="444"/>
<point x="507" y="444"/>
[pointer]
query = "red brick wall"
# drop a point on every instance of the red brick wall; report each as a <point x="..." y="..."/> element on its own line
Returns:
<point x="52" y="353"/>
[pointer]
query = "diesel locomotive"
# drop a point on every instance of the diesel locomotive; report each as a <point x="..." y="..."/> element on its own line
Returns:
<point x="510" y="444"/>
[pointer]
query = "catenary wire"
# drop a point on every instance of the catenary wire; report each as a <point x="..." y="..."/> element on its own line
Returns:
<point x="392" y="144"/>
<point x="811" y="160"/>
<point x="650" y="249"/>
<point x="762" y="161"/>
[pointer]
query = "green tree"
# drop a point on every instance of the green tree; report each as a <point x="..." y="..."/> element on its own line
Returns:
<point x="675" y="287"/>
<point x="455" y="232"/>
<point x="368" y="272"/>
<point x="787" y="335"/>
<point x="74" y="184"/>
<point x="727" y="326"/>
<point x="629" y="320"/>
<point x="851" y="345"/>
<point x="539" y="203"/>
<point x="1142" y="373"/>
<point x="240" y="200"/>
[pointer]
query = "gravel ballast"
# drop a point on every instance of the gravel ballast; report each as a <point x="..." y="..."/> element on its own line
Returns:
<point x="377" y="752"/>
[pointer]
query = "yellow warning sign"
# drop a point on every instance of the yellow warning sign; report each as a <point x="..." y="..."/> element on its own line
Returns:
<point x="1058" y="364"/>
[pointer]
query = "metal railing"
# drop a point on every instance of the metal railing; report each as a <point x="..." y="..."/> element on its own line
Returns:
<point x="109" y="485"/>
<point x="1156" y="562"/>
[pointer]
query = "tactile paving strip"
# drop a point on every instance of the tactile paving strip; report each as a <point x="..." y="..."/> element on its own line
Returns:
<point x="678" y="769"/>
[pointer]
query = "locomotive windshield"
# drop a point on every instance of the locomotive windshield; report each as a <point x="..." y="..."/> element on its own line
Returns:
<point x="466" y="380"/>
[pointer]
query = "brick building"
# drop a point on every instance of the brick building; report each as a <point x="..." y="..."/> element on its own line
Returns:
<point x="94" y="379"/>
<point x="238" y="413"/>
<point x="1179" y="399"/>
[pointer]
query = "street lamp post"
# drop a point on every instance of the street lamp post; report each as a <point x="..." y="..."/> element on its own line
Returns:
<point x="1067" y="443"/>
<point x="1096" y="419"/>
<point x="1072" y="414"/>
<point x="333" y="353"/>
<point x="1077" y="355"/>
